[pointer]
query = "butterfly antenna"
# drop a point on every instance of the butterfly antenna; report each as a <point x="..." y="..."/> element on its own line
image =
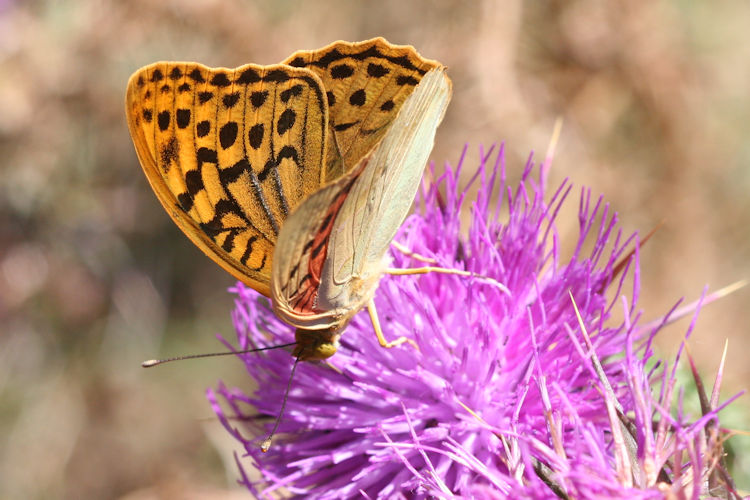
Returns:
<point x="266" y="444"/>
<point x="154" y="362"/>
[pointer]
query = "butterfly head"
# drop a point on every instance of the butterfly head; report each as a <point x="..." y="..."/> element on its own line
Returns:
<point x="315" y="345"/>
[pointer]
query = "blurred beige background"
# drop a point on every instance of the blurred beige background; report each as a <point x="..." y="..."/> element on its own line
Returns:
<point x="94" y="277"/>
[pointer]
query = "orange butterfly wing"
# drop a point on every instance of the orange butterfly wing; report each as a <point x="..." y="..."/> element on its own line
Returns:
<point x="230" y="153"/>
<point x="366" y="84"/>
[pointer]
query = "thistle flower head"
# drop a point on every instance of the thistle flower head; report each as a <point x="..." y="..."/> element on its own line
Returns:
<point x="506" y="395"/>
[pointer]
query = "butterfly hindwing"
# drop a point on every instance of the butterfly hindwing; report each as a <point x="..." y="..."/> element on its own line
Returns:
<point x="302" y="251"/>
<point x="230" y="153"/>
<point x="380" y="199"/>
<point x="330" y="253"/>
<point x="366" y="84"/>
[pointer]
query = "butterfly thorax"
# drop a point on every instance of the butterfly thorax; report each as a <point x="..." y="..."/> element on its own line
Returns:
<point x="316" y="345"/>
<point x="359" y="289"/>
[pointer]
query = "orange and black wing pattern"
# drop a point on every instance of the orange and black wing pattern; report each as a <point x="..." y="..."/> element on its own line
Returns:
<point x="230" y="153"/>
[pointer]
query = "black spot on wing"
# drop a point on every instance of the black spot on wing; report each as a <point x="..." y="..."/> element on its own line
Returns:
<point x="231" y="174"/>
<point x="206" y="155"/>
<point x="297" y="62"/>
<point x="248" y="76"/>
<point x="286" y="121"/>
<point x="405" y="63"/>
<point x="270" y="165"/>
<point x="358" y="98"/>
<point x="328" y="58"/>
<point x="215" y="226"/>
<point x="185" y="201"/>
<point x="228" y="134"/>
<point x="341" y="71"/>
<point x="293" y="270"/>
<point x="287" y="152"/>
<point x="203" y="128"/>
<point x="230" y="100"/>
<point x="194" y="182"/>
<point x="340" y="127"/>
<point x="228" y="243"/>
<point x="249" y="250"/>
<point x="183" y="118"/>
<point x="317" y="249"/>
<point x="276" y="75"/>
<point x="387" y="105"/>
<point x="377" y="70"/>
<point x="371" y="52"/>
<point x="220" y="80"/>
<point x="258" y="97"/>
<point x="262" y="263"/>
<point x="287" y="94"/>
<point x="169" y="152"/>
<point x="255" y="135"/>
<point x="163" y="120"/>
<point x="406" y="80"/>
<point x="197" y="76"/>
<point x="212" y="228"/>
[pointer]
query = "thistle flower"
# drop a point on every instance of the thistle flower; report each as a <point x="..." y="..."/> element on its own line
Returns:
<point x="507" y="395"/>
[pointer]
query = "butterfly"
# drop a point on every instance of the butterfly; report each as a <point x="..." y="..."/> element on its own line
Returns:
<point x="293" y="177"/>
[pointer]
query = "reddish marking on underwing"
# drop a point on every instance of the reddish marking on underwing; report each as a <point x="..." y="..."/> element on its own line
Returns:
<point x="305" y="299"/>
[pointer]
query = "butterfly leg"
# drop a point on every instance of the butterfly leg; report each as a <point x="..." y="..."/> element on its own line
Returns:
<point x="379" y="332"/>
<point x="444" y="270"/>
<point x="401" y="248"/>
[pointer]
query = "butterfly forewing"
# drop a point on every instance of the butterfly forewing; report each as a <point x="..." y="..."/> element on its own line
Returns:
<point x="366" y="84"/>
<point x="230" y="153"/>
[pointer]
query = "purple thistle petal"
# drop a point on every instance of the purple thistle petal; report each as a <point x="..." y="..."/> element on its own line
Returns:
<point x="503" y="397"/>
